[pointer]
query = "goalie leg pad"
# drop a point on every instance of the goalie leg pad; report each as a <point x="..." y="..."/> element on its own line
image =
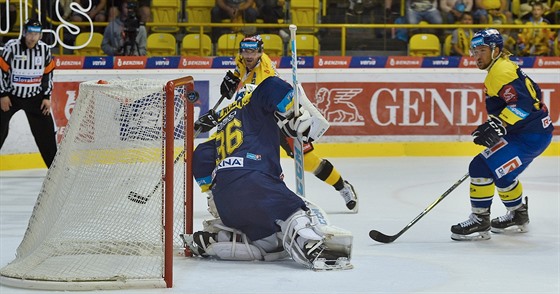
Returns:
<point x="313" y="242"/>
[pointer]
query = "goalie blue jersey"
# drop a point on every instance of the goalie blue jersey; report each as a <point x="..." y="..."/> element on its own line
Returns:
<point x="247" y="136"/>
<point x="248" y="188"/>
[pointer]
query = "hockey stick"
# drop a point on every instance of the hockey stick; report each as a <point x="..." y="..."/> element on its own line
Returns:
<point x="298" y="142"/>
<point x="135" y="197"/>
<point x="380" y="237"/>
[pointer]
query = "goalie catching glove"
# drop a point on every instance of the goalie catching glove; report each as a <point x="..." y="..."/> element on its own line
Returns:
<point x="490" y="132"/>
<point x="229" y="85"/>
<point x="206" y="122"/>
<point x="292" y="127"/>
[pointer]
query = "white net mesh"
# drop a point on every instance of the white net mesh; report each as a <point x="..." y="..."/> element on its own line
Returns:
<point x="99" y="215"/>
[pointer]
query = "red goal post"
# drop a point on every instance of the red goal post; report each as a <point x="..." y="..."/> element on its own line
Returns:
<point x="118" y="194"/>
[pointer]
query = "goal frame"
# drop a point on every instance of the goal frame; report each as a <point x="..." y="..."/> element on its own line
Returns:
<point x="168" y="176"/>
<point x="169" y="159"/>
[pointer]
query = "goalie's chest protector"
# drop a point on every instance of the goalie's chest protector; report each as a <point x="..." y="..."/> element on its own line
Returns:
<point x="247" y="134"/>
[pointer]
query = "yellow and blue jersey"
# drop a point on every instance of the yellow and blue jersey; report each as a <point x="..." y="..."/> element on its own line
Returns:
<point x="516" y="99"/>
<point x="262" y="70"/>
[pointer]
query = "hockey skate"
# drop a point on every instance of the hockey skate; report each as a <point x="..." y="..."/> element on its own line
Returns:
<point x="322" y="258"/>
<point x="474" y="229"/>
<point x="198" y="242"/>
<point x="515" y="221"/>
<point x="350" y="196"/>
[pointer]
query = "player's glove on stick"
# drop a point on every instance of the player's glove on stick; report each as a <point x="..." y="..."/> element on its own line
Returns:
<point x="206" y="122"/>
<point x="229" y="85"/>
<point x="490" y="132"/>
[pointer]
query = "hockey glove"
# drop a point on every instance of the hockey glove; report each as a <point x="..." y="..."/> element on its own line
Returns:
<point x="206" y="122"/>
<point x="292" y="127"/>
<point x="490" y="132"/>
<point x="229" y="85"/>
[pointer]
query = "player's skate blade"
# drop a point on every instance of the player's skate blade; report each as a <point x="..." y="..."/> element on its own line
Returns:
<point x="477" y="236"/>
<point x="511" y="230"/>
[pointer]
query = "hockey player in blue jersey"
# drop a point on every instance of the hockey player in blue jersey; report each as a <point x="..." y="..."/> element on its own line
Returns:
<point x="518" y="130"/>
<point x="260" y="218"/>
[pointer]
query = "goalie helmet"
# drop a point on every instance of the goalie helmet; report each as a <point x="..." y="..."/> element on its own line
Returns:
<point x="489" y="37"/>
<point x="245" y="91"/>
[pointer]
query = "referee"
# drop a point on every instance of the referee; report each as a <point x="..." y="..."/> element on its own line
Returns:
<point x="27" y="71"/>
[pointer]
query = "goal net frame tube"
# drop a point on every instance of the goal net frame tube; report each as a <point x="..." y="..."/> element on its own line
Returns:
<point x="169" y="163"/>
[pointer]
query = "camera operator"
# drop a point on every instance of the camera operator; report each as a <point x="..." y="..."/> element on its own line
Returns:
<point x="125" y="35"/>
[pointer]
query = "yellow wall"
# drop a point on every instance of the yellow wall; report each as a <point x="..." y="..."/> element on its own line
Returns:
<point x="34" y="160"/>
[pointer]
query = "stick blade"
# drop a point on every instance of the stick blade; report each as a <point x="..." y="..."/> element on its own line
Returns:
<point x="380" y="237"/>
<point x="137" y="198"/>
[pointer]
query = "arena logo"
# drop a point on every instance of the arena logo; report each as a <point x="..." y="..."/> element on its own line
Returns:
<point x="76" y="8"/>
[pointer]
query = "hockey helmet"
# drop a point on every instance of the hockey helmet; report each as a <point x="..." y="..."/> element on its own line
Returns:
<point x="245" y="91"/>
<point x="254" y="42"/>
<point x="32" y="25"/>
<point x="489" y="37"/>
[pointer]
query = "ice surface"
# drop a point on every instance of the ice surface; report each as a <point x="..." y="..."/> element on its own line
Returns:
<point x="392" y="192"/>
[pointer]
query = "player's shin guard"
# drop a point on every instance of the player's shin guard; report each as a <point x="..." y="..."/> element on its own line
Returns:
<point x="312" y="242"/>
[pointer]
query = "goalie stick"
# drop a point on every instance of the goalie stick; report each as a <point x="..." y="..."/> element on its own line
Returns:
<point x="141" y="199"/>
<point x="380" y="237"/>
<point x="298" y="142"/>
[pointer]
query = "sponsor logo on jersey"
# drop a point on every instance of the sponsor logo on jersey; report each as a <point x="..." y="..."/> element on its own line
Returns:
<point x="546" y="121"/>
<point x="253" y="156"/>
<point x="27" y="80"/>
<point x="20" y="57"/>
<point x="508" y="167"/>
<point x="231" y="162"/>
<point x="509" y="94"/>
<point x="489" y="151"/>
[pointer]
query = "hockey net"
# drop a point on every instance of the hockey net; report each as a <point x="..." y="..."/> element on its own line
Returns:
<point x="118" y="193"/>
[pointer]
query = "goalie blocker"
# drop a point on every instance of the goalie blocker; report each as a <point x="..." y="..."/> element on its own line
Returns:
<point x="306" y="236"/>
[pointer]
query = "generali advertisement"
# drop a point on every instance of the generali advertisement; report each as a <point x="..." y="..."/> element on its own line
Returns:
<point x="361" y="105"/>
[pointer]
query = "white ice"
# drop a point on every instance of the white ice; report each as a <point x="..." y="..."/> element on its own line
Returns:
<point x="392" y="192"/>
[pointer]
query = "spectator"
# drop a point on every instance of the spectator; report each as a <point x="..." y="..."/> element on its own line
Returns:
<point x="452" y="10"/>
<point x="461" y="38"/>
<point x="537" y="40"/>
<point x="233" y="10"/>
<point x="144" y="11"/>
<point x="119" y="39"/>
<point x="355" y="7"/>
<point x="97" y="12"/>
<point x="423" y="10"/>
<point x="488" y="10"/>
<point x="271" y="11"/>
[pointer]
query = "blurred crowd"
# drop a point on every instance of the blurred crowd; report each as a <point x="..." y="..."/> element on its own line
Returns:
<point x="126" y="24"/>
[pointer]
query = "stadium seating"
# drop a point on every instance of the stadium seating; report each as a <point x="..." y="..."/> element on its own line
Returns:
<point x="192" y="44"/>
<point x="165" y="11"/>
<point x="273" y="45"/>
<point x="93" y="48"/>
<point x="447" y="45"/>
<point x="161" y="44"/>
<point x="198" y="11"/>
<point x="305" y="12"/>
<point x="424" y="45"/>
<point x="228" y="44"/>
<point x="307" y="45"/>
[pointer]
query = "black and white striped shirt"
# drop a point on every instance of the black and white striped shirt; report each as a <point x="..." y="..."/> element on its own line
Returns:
<point x="26" y="72"/>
